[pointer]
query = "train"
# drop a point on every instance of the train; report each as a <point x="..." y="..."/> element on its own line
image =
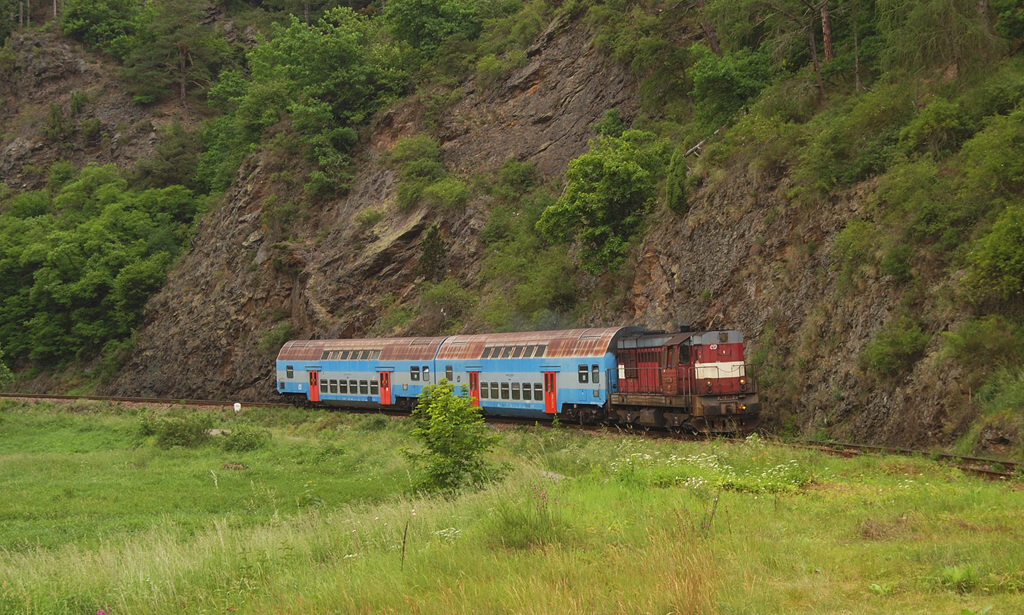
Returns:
<point x="684" y="380"/>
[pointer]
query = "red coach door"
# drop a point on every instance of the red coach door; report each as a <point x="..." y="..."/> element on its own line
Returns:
<point x="474" y="388"/>
<point x="314" y="386"/>
<point x="550" y="393"/>
<point x="385" y="388"/>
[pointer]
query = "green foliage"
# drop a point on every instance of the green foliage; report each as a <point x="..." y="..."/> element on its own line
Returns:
<point x="175" y="51"/>
<point x="423" y="179"/>
<point x="983" y="344"/>
<point x="611" y="124"/>
<point x="175" y="163"/>
<point x="455" y="438"/>
<point x="515" y="179"/>
<point x="57" y="127"/>
<point x="109" y="25"/>
<point x="245" y="438"/>
<point x="76" y="269"/>
<point x="443" y="304"/>
<point x="896" y="347"/>
<point x="189" y="431"/>
<point x="997" y="260"/>
<point x="937" y="129"/>
<point x="934" y="34"/>
<point x="433" y="254"/>
<point x="271" y="340"/>
<point x="425" y="24"/>
<point x="675" y="183"/>
<point x="608" y="193"/>
<point x="6" y="377"/>
<point x="722" y="86"/>
<point x="855" y="140"/>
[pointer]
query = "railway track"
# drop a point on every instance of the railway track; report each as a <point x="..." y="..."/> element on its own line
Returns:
<point x="999" y="469"/>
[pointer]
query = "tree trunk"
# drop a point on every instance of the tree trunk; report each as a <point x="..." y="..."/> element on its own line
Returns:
<point x="54" y="8"/>
<point x="709" y="32"/>
<point x="826" y="31"/>
<point x="305" y="13"/>
<point x="814" y="61"/>
<point x="856" y="54"/>
<point x="182" y="66"/>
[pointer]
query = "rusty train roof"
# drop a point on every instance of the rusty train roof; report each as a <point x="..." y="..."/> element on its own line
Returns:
<point x="564" y="343"/>
<point x="391" y="348"/>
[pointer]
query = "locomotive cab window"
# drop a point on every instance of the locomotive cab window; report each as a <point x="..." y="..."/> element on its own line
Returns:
<point x="414" y="373"/>
<point x="289" y="371"/>
<point x="584" y="372"/>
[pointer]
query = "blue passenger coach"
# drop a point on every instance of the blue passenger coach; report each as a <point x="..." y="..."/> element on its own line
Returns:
<point x="530" y="374"/>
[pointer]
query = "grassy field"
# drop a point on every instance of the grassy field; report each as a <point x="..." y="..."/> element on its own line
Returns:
<point x="99" y="514"/>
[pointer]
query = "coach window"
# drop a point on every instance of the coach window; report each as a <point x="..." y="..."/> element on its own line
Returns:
<point x="353" y="387"/>
<point x="324" y="355"/>
<point x="426" y="374"/>
<point x="506" y="352"/>
<point x="343" y="387"/>
<point x="595" y="374"/>
<point x="583" y="374"/>
<point x="414" y="373"/>
<point x="374" y="387"/>
<point x="334" y="387"/>
<point x="486" y="354"/>
<point x="519" y="352"/>
<point x="289" y="371"/>
<point x="364" y="388"/>
<point x="540" y="351"/>
<point x="515" y="390"/>
<point x="526" y="391"/>
<point x="323" y="386"/>
<point x="504" y="390"/>
<point x="494" y="390"/>
<point x="538" y="391"/>
<point x="449" y="373"/>
<point x="483" y="390"/>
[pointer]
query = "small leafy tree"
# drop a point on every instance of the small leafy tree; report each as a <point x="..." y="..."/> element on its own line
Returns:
<point x="608" y="192"/>
<point x="455" y="438"/>
<point x="5" y="374"/>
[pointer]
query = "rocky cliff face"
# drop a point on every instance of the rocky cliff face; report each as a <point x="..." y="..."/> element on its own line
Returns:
<point x="206" y="333"/>
<point x="102" y="125"/>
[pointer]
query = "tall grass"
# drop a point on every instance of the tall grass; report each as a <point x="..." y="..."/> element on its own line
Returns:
<point x="584" y="524"/>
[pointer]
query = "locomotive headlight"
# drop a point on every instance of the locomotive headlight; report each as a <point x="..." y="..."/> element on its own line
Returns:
<point x="743" y="380"/>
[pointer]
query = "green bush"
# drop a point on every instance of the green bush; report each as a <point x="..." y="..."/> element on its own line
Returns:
<point x="896" y="347"/>
<point x="985" y="343"/>
<point x="722" y="86"/>
<point x="454" y="439"/>
<point x="997" y="259"/>
<point x="189" y="431"/>
<point x="938" y="129"/>
<point x="447" y="193"/>
<point x="245" y="438"/>
<point x="609" y="191"/>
